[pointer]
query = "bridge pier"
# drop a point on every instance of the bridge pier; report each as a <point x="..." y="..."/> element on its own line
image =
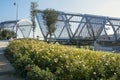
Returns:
<point x="95" y="45"/>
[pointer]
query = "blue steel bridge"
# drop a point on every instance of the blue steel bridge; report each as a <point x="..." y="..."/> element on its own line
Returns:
<point x="73" y="28"/>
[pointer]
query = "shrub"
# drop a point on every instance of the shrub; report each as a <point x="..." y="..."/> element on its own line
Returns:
<point x="36" y="73"/>
<point x="57" y="62"/>
<point x="21" y="63"/>
<point x="7" y="34"/>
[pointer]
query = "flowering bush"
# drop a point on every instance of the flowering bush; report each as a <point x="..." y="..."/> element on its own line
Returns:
<point x="36" y="73"/>
<point x="61" y="62"/>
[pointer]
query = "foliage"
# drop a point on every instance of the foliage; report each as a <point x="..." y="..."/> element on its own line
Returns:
<point x="57" y="62"/>
<point x="21" y="63"/>
<point x="33" y="15"/>
<point x="36" y="73"/>
<point x="7" y="34"/>
<point x="50" y="17"/>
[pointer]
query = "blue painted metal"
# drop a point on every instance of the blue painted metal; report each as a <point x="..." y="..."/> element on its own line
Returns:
<point x="23" y="25"/>
<point x="78" y="27"/>
<point x="89" y="27"/>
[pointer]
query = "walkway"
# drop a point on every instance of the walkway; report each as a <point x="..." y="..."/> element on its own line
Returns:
<point x="7" y="72"/>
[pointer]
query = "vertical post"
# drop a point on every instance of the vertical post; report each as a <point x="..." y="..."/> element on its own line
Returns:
<point x="16" y="4"/>
<point x="95" y="45"/>
<point x="89" y="47"/>
<point x="78" y="44"/>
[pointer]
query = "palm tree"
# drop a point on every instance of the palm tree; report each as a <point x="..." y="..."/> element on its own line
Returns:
<point x="33" y="14"/>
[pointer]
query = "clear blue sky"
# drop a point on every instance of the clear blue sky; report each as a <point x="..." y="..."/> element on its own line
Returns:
<point x="97" y="7"/>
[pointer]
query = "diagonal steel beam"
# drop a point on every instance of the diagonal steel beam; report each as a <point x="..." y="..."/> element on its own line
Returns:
<point x="115" y="34"/>
<point x="37" y="17"/>
<point x="78" y="28"/>
<point x="66" y="21"/>
<point x="88" y="22"/>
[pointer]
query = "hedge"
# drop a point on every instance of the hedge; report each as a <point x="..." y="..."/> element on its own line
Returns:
<point x="36" y="60"/>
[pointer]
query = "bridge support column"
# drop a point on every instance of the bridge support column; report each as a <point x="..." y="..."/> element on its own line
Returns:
<point x="95" y="46"/>
<point x="89" y="47"/>
<point x="78" y="44"/>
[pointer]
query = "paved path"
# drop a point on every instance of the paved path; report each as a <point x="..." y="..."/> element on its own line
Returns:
<point x="3" y="45"/>
<point x="7" y="72"/>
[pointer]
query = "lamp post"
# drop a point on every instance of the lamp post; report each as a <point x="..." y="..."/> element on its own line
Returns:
<point x="16" y="4"/>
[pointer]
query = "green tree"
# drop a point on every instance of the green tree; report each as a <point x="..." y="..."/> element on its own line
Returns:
<point x="7" y="34"/>
<point x="50" y="17"/>
<point x="33" y="14"/>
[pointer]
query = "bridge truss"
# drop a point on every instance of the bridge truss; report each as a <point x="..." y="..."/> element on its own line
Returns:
<point x="72" y="28"/>
<point x="82" y="27"/>
<point x="22" y="27"/>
